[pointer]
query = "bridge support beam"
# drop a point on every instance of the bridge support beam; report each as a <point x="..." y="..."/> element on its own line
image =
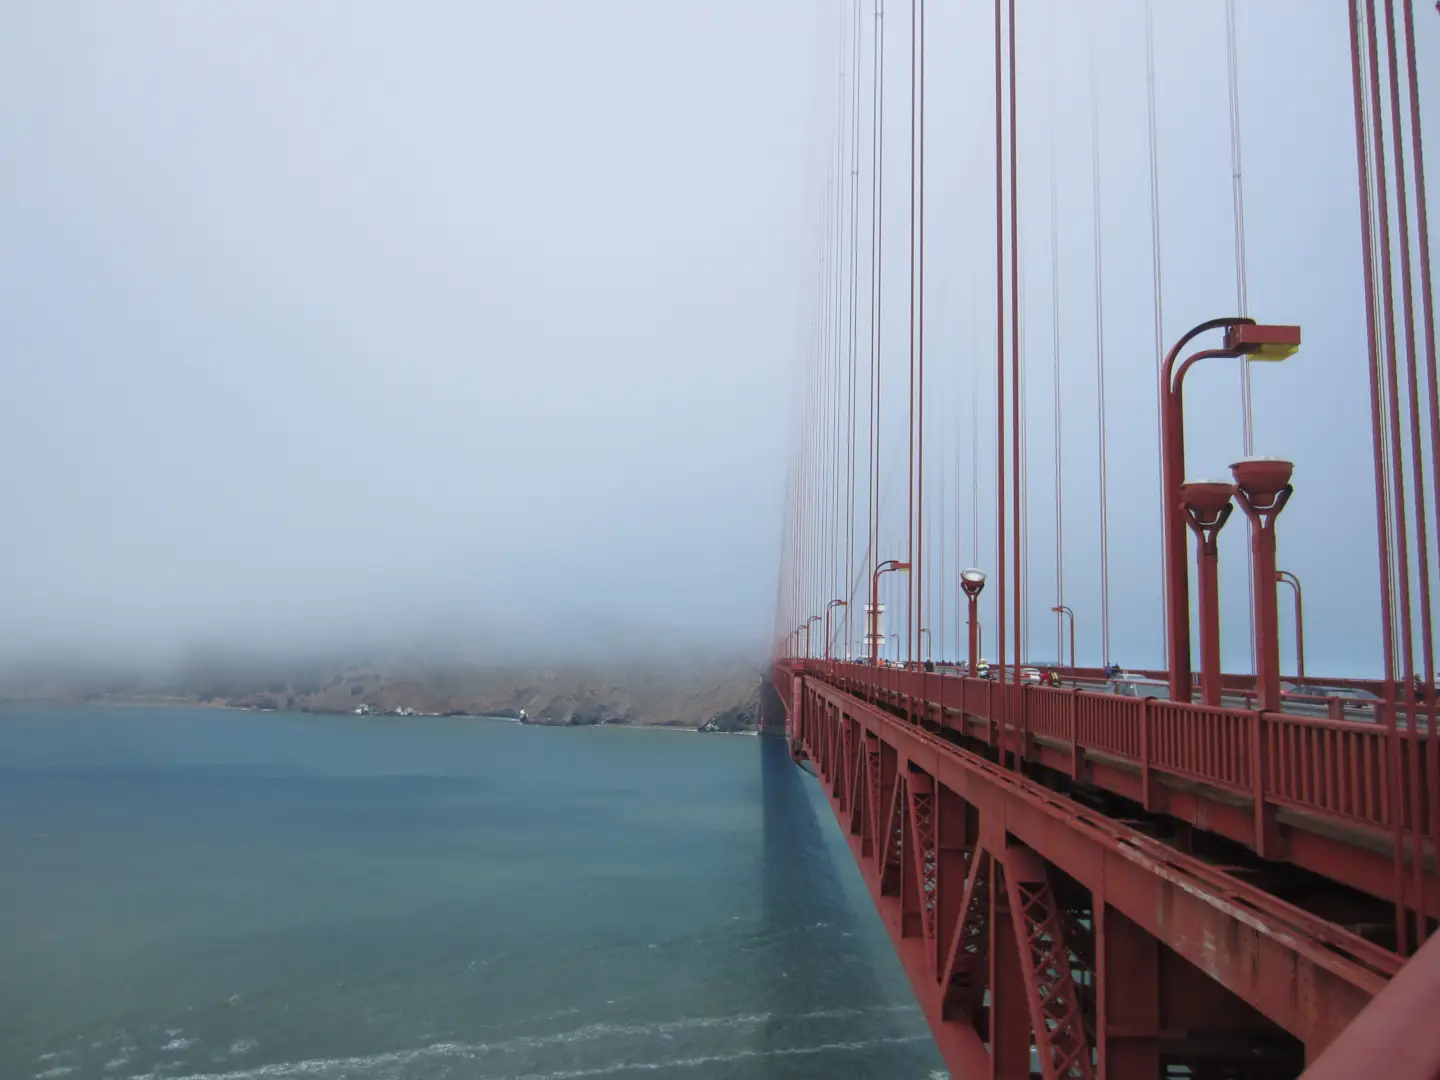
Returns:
<point x="1128" y="1006"/>
<point x="1009" y="1009"/>
<point x="1101" y="951"/>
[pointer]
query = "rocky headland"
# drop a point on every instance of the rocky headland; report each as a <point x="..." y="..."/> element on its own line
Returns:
<point x="723" y="696"/>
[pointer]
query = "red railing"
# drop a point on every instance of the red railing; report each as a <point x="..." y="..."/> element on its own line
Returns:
<point x="1202" y="743"/>
<point x="1108" y="723"/>
<point x="1340" y="769"/>
<point x="1337" y="767"/>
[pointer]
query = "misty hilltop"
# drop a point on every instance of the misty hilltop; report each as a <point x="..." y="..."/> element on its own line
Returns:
<point x="653" y="694"/>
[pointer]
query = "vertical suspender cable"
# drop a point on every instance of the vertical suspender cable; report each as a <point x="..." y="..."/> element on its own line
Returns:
<point x="877" y="237"/>
<point x="1387" y="307"/>
<point x="1159" y="317"/>
<point x="838" y="340"/>
<point x="1422" y="225"/>
<point x="834" y="458"/>
<point x="1242" y="298"/>
<point x="912" y="612"/>
<point x="850" y="385"/>
<point x="1417" y="454"/>
<point x="974" y="432"/>
<point x="955" y="511"/>
<point x="1417" y="469"/>
<point x="1022" y="470"/>
<point x="935" y="539"/>
<point x="827" y="533"/>
<point x="1055" y="360"/>
<point x="1000" y="339"/>
<point x="922" y="577"/>
<point x="1382" y="516"/>
<point x="1100" y="339"/>
<point x="825" y="536"/>
<point x="1237" y="188"/>
<point x="1015" y="350"/>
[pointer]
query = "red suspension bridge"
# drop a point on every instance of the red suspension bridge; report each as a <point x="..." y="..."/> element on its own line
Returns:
<point x="1197" y="866"/>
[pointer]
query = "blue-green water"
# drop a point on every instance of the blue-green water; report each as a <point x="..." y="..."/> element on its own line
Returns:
<point x="203" y="893"/>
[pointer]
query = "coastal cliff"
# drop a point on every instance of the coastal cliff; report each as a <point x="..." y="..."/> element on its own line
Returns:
<point x="722" y="696"/>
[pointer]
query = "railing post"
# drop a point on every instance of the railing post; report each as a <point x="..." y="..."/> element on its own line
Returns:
<point x="1072" y="719"/>
<point x="1022" y="723"/>
<point x="792" y="722"/>
<point x="1265" y="838"/>
<point x="1147" y="795"/>
<point x="992" y="724"/>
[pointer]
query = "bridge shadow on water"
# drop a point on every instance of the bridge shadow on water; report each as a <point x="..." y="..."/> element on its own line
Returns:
<point x="834" y="997"/>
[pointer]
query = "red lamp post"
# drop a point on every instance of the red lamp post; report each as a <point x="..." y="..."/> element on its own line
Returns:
<point x="1243" y="338"/>
<point x="831" y="604"/>
<point x="1207" y="507"/>
<point x="811" y="619"/>
<point x="1262" y="486"/>
<point x="1285" y="577"/>
<point x="1064" y="609"/>
<point x="873" y="615"/>
<point x="973" y="581"/>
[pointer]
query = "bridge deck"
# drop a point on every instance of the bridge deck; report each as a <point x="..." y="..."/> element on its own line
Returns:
<point x="1336" y="798"/>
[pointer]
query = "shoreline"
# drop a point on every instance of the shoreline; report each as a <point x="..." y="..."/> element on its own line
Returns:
<point x="172" y="703"/>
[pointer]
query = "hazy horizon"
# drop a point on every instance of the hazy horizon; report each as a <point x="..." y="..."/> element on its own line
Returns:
<point x="334" y="326"/>
<point x="476" y="327"/>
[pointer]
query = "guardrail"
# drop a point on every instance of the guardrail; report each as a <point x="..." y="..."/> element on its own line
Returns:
<point x="1371" y="775"/>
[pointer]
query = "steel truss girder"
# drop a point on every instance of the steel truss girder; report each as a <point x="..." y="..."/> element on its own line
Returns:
<point x="1306" y="976"/>
<point x="1055" y="1012"/>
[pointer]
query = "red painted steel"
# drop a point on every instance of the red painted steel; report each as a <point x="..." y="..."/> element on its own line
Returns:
<point x="1391" y="1022"/>
<point x="1329" y="770"/>
<point x="996" y="890"/>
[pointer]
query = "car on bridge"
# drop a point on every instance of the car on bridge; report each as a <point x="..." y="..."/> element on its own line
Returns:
<point x="1130" y="684"/>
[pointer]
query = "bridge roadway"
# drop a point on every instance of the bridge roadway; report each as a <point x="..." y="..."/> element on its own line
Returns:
<point x="1117" y="886"/>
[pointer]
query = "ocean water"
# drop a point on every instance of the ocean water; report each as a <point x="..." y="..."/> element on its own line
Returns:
<point x="207" y="893"/>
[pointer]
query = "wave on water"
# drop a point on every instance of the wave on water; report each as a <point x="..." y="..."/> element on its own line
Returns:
<point x="386" y="1064"/>
<point x="708" y="1059"/>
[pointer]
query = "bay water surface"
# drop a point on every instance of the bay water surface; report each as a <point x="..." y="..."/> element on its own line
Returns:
<point x="213" y="893"/>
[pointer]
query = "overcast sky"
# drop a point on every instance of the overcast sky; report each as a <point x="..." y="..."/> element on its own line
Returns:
<point x="325" y="323"/>
<point x="332" y="319"/>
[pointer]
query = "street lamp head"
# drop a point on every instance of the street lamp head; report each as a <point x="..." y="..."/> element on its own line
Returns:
<point x="972" y="581"/>
<point x="1263" y="343"/>
<point x="837" y="603"/>
<point x="1261" y="480"/>
<point x="1206" y="500"/>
